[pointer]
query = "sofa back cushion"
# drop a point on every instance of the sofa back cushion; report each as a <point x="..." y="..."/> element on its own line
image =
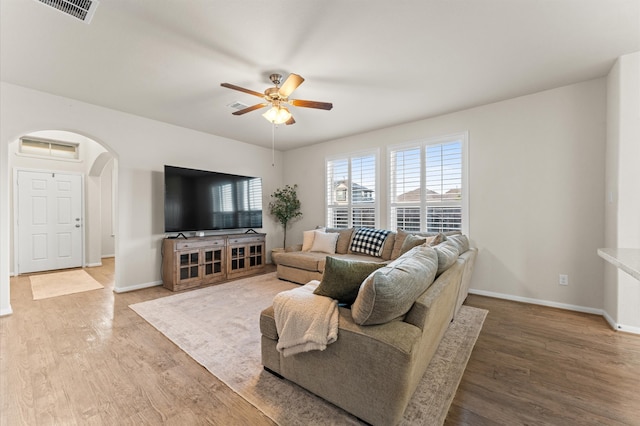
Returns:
<point x="389" y="292"/>
<point x="447" y="255"/>
<point x="344" y="239"/>
<point x="461" y="241"/>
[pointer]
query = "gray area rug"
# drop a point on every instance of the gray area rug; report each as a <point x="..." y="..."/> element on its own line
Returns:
<point x="218" y="327"/>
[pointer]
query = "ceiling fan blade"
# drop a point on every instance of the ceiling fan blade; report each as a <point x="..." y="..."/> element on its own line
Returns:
<point x="242" y="89"/>
<point x="251" y="108"/>
<point x="291" y="83"/>
<point x="311" y="104"/>
<point x="290" y="121"/>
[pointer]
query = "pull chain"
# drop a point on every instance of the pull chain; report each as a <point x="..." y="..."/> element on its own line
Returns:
<point x="273" y="144"/>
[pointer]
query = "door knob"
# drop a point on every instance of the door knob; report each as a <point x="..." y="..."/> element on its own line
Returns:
<point x="77" y="225"/>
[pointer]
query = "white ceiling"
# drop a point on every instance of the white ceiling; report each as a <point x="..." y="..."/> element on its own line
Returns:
<point x="381" y="63"/>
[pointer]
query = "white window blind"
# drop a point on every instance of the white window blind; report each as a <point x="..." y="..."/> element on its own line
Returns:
<point x="427" y="187"/>
<point x="351" y="191"/>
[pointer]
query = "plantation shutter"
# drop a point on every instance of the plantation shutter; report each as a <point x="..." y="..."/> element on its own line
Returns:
<point x="406" y="188"/>
<point x="426" y="186"/>
<point x="351" y="191"/>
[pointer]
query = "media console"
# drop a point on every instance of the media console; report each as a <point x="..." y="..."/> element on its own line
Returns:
<point x="193" y="262"/>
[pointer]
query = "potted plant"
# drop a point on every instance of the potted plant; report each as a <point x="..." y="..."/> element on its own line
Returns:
<point x="285" y="207"/>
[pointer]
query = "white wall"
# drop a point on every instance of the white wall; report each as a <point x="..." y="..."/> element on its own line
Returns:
<point x="107" y="240"/>
<point x="622" y="292"/>
<point x="141" y="147"/>
<point x="536" y="177"/>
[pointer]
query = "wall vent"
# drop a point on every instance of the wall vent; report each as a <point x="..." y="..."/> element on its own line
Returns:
<point x="237" y="105"/>
<point x="80" y="9"/>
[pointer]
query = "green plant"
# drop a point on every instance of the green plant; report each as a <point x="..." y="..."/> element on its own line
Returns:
<point x="285" y="207"/>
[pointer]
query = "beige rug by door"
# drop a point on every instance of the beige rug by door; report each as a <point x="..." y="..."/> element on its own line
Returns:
<point x="218" y="327"/>
<point x="57" y="284"/>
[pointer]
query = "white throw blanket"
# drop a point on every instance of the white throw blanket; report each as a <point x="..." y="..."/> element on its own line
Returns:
<point x="305" y="321"/>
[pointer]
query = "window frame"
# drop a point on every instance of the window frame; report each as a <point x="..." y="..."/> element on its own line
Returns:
<point x="423" y="205"/>
<point x="50" y="152"/>
<point x="349" y="204"/>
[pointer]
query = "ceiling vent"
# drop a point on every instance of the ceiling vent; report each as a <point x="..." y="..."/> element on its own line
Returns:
<point x="238" y="105"/>
<point x="80" y="9"/>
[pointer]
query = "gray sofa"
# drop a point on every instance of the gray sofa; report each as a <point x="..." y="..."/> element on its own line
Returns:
<point x="372" y="371"/>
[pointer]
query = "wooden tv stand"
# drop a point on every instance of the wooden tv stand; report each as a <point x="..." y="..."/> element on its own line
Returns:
<point x="196" y="261"/>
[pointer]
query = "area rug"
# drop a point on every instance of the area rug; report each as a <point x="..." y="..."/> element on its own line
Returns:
<point x="219" y="327"/>
<point x="56" y="284"/>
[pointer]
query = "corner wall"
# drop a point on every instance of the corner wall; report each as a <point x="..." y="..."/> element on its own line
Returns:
<point x="622" y="208"/>
<point x="536" y="176"/>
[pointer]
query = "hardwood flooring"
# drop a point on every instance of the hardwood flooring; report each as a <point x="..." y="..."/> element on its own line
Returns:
<point x="89" y="359"/>
<point x="545" y="366"/>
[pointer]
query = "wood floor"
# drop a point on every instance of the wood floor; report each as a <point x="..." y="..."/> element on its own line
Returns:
<point x="89" y="359"/>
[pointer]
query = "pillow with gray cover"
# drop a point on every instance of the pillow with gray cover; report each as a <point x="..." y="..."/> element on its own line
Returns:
<point x="461" y="241"/>
<point x="389" y="292"/>
<point x="447" y="255"/>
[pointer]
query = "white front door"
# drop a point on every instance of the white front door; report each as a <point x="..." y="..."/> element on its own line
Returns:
<point x="49" y="220"/>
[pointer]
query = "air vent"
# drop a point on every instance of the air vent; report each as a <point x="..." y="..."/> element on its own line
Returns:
<point x="80" y="9"/>
<point x="238" y="105"/>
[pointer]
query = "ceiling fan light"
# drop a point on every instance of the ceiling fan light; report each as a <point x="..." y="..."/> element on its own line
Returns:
<point x="277" y="115"/>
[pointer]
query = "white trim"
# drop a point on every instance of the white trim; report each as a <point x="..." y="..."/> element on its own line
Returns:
<point x="137" y="287"/>
<point x="530" y="300"/>
<point x="106" y="256"/>
<point x="6" y="311"/>
<point x="615" y="326"/>
<point x="93" y="265"/>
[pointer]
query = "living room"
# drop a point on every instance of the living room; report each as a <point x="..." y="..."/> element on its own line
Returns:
<point x="546" y="170"/>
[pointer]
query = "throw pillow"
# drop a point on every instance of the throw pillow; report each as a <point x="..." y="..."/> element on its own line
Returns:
<point x="324" y="242"/>
<point x="369" y="241"/>
<point x="342" y="278"/>
<point x="307" y="240"/>
<point x="447" y="255"/>
<point x="389" y="292"/>
<point x="410" y="242"/>
<point x="344" y="239"/>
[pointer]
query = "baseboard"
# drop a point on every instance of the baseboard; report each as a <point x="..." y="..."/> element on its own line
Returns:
<point x="576" y="308"/>
<point x="548" y="303"/>
<point x="93" y="265"/>
<point x="6" y="311"/>
<point x="106" y="256"/>
<point x="137" y="287"/>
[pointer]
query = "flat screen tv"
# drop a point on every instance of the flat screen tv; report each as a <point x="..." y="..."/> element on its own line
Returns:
<point x="198" y="200"/>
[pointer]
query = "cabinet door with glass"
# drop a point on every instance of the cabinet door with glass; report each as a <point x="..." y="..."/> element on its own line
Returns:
<point x="245" y="255"/>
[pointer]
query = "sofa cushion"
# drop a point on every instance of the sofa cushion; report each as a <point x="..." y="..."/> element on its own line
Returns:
<point x="342" y="278"/>
<point x="461" y="242"/>
<point x="368" y="241"/>
<point x="324" y="242"/>
<point x="447" y="255"/>
<point x="387" y="249"/>
<point x="389" y="292"/>
<point x="344" y="239"/>
<point x="301" y="260"/>
<point x="410" y="242"/>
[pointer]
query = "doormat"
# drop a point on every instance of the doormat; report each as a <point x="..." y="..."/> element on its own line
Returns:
<point x="56" y="284"/>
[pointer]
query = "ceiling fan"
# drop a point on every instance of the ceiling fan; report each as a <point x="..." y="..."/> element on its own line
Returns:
<point x="277" y="97"/>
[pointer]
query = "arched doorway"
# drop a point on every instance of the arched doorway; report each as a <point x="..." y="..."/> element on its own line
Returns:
<point x="72" y="153"/>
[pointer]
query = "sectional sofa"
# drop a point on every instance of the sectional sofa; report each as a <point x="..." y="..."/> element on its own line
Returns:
<point x="386" y="336"/>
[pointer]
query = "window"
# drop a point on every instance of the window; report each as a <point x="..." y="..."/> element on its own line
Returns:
<point x="49" y="148"/>
<point x="351" y="191"/>
<point x="427" y="188"/>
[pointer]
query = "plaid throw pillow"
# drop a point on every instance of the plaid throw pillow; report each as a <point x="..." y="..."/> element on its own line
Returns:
<point x="368" y="241"/>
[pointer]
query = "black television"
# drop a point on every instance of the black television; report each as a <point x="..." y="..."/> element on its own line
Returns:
<point x="199" y="200"/>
